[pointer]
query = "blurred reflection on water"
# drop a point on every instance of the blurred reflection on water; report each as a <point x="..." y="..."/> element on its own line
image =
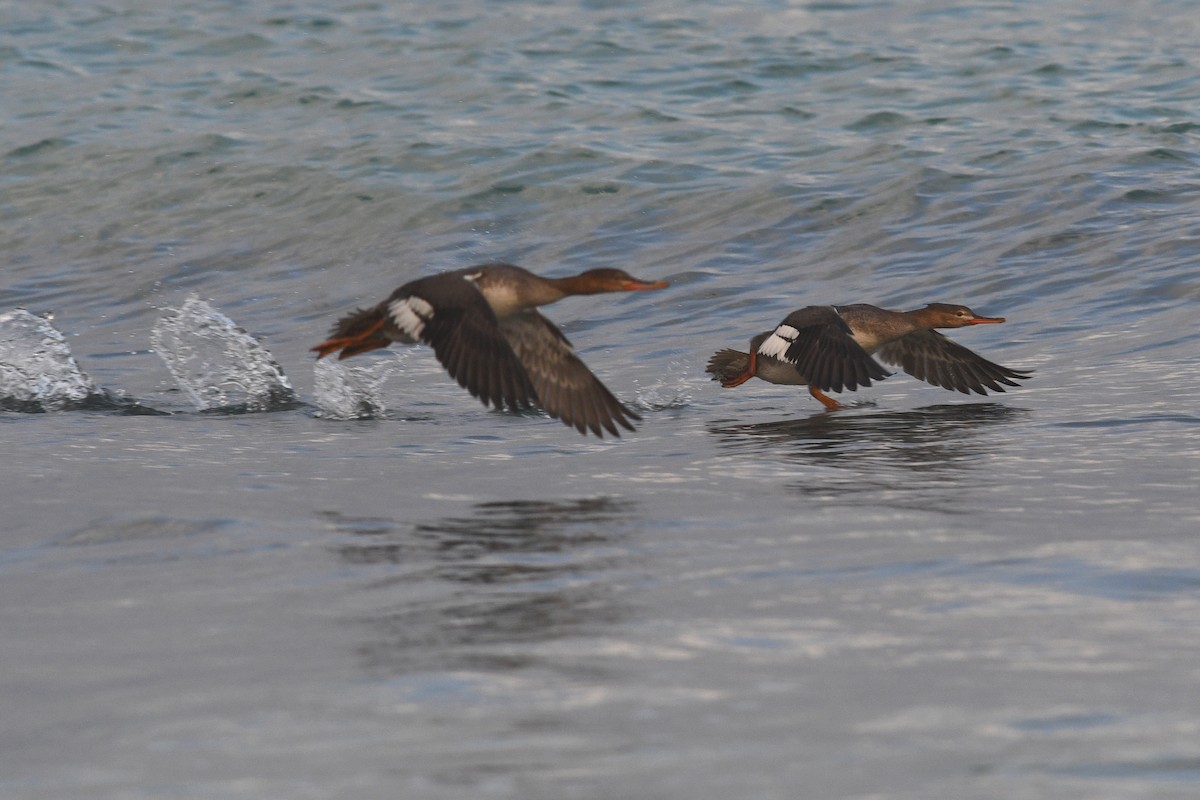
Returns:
<point x="916" y="459"/>
<point x="507" y="573"/>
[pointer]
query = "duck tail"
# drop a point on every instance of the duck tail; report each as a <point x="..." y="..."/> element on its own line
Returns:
<point x="355" y="333"/>
<point x="728" y="365"/>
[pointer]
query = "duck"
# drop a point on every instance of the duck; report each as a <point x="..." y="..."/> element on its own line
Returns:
<point x="485" y="328"/>
<point x="831" y="348"/>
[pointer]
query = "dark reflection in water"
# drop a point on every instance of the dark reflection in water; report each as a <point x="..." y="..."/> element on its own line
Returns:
<point x="915" y="453"/>
<point x="468" y="587"/>
<point x="921" y="438"/>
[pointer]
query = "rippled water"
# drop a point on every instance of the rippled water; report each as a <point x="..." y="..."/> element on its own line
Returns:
<point x="926" y="595"/>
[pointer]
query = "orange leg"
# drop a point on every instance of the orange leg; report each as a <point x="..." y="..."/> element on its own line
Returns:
<point x="738" y="380"/>
<point x="826" y="400"/>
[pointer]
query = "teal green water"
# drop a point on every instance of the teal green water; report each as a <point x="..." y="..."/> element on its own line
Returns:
<point x="928" y="595"/>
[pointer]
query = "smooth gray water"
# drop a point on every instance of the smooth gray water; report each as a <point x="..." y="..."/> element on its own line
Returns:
<point x="927" y="595"/>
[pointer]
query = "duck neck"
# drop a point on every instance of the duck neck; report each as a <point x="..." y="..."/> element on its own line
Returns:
<point x="873" y="327"/>
<point x="571" y="285"/>
<point x="921" y="318"/>
<point x="509" y="291"/>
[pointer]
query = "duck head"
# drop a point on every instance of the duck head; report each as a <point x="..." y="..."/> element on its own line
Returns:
<point x="606" y="279"/>
<point x="946" y="315"/>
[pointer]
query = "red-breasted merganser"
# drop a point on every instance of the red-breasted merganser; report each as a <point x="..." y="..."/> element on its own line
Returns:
<point x="485" y="329"/>
<point x="829" y="348"/>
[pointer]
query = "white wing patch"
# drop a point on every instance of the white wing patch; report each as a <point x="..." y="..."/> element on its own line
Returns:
<point x="776" y="345"/>
<point x="410" y="315"/>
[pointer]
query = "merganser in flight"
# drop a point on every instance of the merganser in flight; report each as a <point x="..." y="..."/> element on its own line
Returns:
<point x="485" y="329"/>
<point x="829" y="348"/>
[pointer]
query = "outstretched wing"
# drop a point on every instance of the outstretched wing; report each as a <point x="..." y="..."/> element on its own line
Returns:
<point x="450" y="314"/>
<point x="931" y="357"/>
<point x="566" y="388"/>
<point x="819" y="343"/>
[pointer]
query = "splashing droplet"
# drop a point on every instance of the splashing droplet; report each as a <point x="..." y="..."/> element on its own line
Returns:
<point x="37" y="370"/>
<point x="345" y="392"/>
<point x="217" y="364"/>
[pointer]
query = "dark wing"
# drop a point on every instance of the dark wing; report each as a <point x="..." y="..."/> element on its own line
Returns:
<point x="449" y="313"/>
<point x="819" y="343"/>
<point x="566" y="388"/>
<point x="929" y="356"/>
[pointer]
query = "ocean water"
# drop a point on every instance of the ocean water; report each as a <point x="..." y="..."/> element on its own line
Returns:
<point x="250" y="576"/>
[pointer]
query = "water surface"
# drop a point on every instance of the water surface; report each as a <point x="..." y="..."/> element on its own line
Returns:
<point x="927" y="595"/>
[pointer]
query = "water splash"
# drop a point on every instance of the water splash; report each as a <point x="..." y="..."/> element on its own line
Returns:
<point x="669" y="392"/>
<point x="344" y="392"/>
<point x="37" y="370"/>
<point x="217" y="364"/>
